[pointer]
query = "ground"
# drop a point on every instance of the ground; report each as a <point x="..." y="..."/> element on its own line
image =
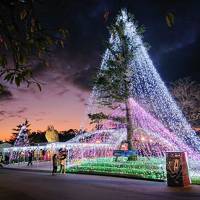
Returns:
<point x="20" y="185"/>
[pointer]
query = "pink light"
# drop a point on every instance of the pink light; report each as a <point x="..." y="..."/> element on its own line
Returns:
<point x="154" y="128"/>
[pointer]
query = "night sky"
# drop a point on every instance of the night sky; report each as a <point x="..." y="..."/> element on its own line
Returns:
<point x="67" y="83"/>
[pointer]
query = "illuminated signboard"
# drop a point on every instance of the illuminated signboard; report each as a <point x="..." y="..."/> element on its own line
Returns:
<point x="177" y="169"/>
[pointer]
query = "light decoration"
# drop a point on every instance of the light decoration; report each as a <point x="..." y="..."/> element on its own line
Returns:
<point x="155" y="130"/>
<point x="150" y="91"/>
<point x="161" y="125"/>
<point x="165" y="121"/>
<point x="21" y="140"/>
<point x="22" y="137"/>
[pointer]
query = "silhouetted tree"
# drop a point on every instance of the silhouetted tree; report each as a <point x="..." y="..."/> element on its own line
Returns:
<point x="67" y="135"/>
<point x="24" y="40"/>
<point x="187" y="95"/>
<point x="37" y="137"/>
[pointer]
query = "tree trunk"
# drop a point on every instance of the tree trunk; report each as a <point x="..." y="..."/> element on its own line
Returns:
<point x="130" y="128"/>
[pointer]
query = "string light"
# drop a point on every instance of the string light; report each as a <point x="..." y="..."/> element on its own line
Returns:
<point x="161" y="125"/>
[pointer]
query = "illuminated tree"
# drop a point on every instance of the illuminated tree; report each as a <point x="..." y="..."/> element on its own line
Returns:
<point x="141" y="85"/>
<point x="114" y="83"/>
<point x="22" y="134"/>
<point x="97" y="118"/>
<point x="52" y="134"/>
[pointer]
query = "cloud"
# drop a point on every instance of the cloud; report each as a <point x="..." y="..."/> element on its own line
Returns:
<point x="78" y="70"/>
<point x="80" y="97"/>
<point x="83" y="78"/>
<point x="5" y="95"/>
<point x="39" y="119"/>
<point x="42" y="112"/>
<point x="66" y="69"/>
<point x="11" y="115"/>
<point x="180" y="43"/>
<point x="22" y="110"/>
<point x="62" y="92"/>
<point x="2" y="112"/>
<point x="38" y="69"/>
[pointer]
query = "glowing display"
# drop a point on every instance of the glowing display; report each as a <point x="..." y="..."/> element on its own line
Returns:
<point x="161" y="125"/>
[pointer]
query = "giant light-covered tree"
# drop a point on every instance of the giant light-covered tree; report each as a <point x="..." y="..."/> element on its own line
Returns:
<point x="127" y="74"/>
<point x="113" y="82"/>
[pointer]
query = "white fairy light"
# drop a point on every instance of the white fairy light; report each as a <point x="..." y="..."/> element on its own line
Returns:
<point x="154" y="110"/>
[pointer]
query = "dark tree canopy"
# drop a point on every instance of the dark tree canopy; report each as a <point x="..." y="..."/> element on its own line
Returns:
<point x="24" y="41"/>
<point x="187" y="95"/>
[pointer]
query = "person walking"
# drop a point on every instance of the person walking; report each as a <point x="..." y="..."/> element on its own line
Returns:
<point x="55" y="164"/>
<point x="30" y="159"/>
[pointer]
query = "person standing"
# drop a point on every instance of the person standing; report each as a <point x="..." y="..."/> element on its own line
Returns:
<point x="6" y="159"/>
<point x="1" y="160"/>
<point x="55" y="164"/>
<point x="63" y="160"/>
<point x="30" y="159"/>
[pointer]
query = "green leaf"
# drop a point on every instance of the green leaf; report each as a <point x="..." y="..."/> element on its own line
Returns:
<point x="23" y="14"/>
<point x="62" y="43"/>
<point x="8" y="77"/>
<point x="3" y="60"/>
<point x="17" y="81"/>
<point x="170" y="19"/>
<point x="39" y="86"/>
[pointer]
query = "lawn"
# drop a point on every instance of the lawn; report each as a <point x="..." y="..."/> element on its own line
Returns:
<point x="143" y="168"/>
